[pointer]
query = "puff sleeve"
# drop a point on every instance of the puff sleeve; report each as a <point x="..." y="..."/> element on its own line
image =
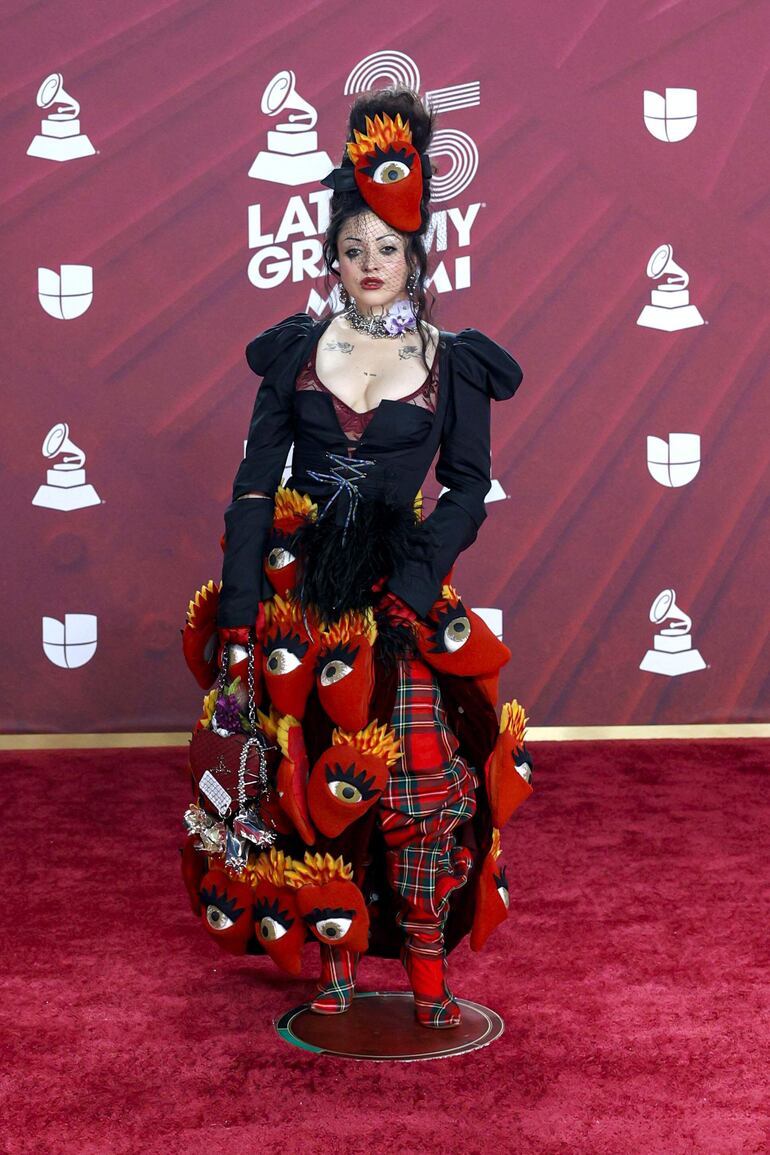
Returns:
<point x="480" y="371"/>
<point x="275" y="355"/>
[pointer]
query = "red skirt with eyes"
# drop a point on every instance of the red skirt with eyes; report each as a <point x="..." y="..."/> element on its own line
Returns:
<point x="382" y="731"/>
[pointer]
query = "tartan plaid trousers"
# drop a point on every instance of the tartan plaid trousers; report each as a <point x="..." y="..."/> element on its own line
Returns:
<point x="430" y="792"/>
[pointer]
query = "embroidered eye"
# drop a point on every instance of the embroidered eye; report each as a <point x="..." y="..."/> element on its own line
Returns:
<point x="272" y="922"/>
<point x="522" y="765"/>
<point x="456" y="633"/>
<point x="271" y="929"/>
<point x="501" y="882"/>
<point x="347" y="786"/>
<point x="453" y="627"/>
<point x="388" y="165"/>
<point x="221" y="911"/>
<point x="210" y="648"/>
<point x="331" y="924"/>
<point x="335" y="671"/>
<point x="284" y="652"/>
<point x="282" y="661"/>
<point x="335" y="663"/>
<point x="217" y="919"/>
<point x="279" y="558"/>
<point x="391" y="172"/>
<point x="333" y="928"/>
<point x="524" y="771"/>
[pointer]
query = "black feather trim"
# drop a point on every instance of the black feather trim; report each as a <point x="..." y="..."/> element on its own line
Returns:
<point x="394" y="641"/>
<point x="337" y="567"/>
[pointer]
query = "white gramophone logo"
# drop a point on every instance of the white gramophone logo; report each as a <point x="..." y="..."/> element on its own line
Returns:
<point x="671" y="117"/>
<point x="673" y="653"/>
<point x="675" y="462"/>
<point x="68" y="293"/>
<point x="292" y="156"/>
<point x="70" y="643"/>
<point x="60" y="137"/>
<point x="66" y="486"/>
<point x="670" y="309"/>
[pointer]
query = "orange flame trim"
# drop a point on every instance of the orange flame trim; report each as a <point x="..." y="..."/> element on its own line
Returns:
<point x="292" y="503"/>
<point x="450" y="594"/>
<point x="317" y="870"/>
<point x="495" y="849"/>
<point x="284" y="612"/>
<point x="348" y="624"/>
<point x="207" y="709"/>
<point x="284" y="724"/>
<point x="513" y="719"/>
<point x="269" y="722"/>
<point x="272" y="867"/>
<point x="198" y="606"/>
<point x="380" y="132"/>
<point x="381" y="741"/>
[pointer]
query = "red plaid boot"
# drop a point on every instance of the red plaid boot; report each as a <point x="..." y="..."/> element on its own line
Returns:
<point x="424" y="958"/>
<point x="337" y="982"/>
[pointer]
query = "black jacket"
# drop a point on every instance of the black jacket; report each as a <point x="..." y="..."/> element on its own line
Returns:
<point x="401" y="440"/>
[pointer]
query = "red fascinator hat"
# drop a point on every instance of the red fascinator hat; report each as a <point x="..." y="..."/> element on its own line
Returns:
<point x="387" y="170"/>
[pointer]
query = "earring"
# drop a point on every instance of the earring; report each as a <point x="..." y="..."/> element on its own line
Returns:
<point x="411" y="285"/>
<point x="343" y="294"/>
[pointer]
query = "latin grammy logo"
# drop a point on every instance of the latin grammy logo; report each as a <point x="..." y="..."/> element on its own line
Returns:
<point x="673" y="653"/>
<point x="292" y="156"/>
<point x="675" y="462"/>
<point x="65" y="487"/>
<point x="670" y="309"/>
<point x="672" y="117"/>
<point x="60" y="137"/>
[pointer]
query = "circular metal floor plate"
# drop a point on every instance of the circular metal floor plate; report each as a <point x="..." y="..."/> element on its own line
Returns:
<point x="380" y="1025"/>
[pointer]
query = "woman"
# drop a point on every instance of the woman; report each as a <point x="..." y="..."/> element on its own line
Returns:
<point x="377" y="686"/>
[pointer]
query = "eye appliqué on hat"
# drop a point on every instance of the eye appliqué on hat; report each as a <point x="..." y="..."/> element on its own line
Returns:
<point x="388" y="170"/>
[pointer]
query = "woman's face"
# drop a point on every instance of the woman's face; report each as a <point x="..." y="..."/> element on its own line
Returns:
<point x="372" y="262"/>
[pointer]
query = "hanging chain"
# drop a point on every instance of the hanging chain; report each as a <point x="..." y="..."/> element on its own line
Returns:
<point x="255" y="739"/>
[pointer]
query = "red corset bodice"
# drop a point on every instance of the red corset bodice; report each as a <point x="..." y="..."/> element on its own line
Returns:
<point x="351" y="421"/>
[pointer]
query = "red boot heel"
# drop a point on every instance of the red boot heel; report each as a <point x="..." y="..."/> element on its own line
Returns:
<point x="425" y="963"/>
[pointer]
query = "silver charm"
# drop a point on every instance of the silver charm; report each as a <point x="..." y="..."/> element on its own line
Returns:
<point x="248" y="825"/>
<point x="236" y="852"/>
<point x="211" y="833"/>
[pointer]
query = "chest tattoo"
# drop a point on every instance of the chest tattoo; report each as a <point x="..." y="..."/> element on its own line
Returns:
<point x="339" y="346"/>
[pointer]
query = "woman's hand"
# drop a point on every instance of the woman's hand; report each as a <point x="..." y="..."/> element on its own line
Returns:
<point x="240" y="635"/>
<point x="232" y="637"/>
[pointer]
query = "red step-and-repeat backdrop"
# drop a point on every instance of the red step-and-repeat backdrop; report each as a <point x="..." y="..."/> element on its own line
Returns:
<point x="602" y="210"/>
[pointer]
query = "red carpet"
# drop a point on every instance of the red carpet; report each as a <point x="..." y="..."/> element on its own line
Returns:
<point x="632" y="976"/>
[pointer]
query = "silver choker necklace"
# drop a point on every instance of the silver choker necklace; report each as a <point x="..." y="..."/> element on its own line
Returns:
<point x="397" y="319"/>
